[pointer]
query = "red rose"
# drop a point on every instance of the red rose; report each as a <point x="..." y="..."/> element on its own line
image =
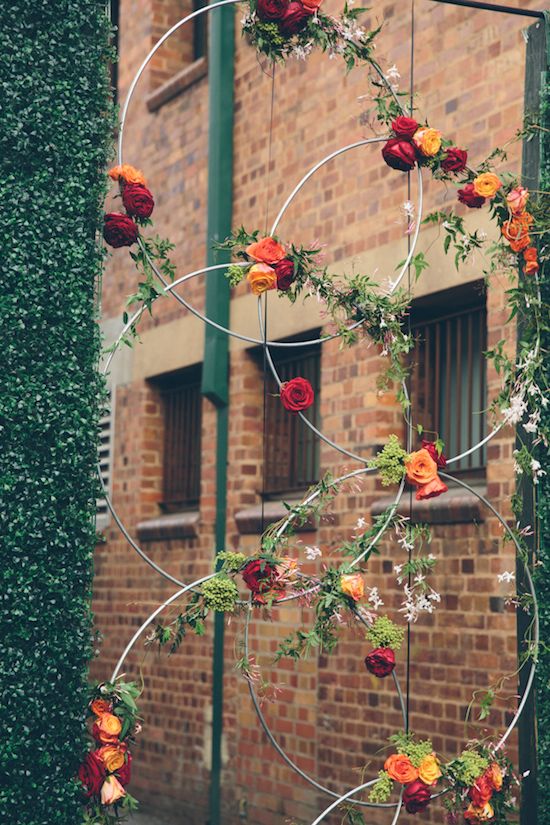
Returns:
<point x="455" y="160"/>
<point x="380" y="662"/>
<point x="469" y="196"/>
<point x="138" y="200"/>
<point x="482" y="791"/>
<point x="92" y="773"/>
<point x="271" y="9"/>
<point x="404" y="127"/>
<point x="440" y="460"/>
<point x="399" y="154"/>
<point x="416" y="796"/>
<point x="119" y="230"/>
<point x="124" y="772"/>
<point x="294" y="19"/>
<point x="297" y="394"/>
<point x="285" y="273"/>
<point x="258" y="576"/>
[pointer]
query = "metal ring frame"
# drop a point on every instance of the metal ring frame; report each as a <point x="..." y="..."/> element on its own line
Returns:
<point x="185" y="588"/>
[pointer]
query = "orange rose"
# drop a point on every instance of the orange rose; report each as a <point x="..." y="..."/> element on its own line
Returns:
<point x="494" y="775"/>
<point x="400" y="768"/>
<point x="428" y="770"/>
<point x="267" y="251"/>
<point x="126" y="173"/>
<point x="530" y="254"/>
<point x="517" y="199"/>
<point x="431" y="490"/>
<point x="100" y="706"/>
<point x="531" y="268"/>
<point x="111" y="791"/>
<point x="261" y="277"/>
<point x="106" y="728"/>
<point x="479" y="814"/>
<point x="521" y="244"/>
<point x="487" y="184"/>
<point x="311" y="5"/>
<point x="113" y="756"/>
<point x="420" y="466"/>
<point x="428" y="141"/>
<point x="353" y="585"/>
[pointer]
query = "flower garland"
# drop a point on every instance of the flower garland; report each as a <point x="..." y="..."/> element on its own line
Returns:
<point x="106" y="769"/>
<point x="420" y="467"/>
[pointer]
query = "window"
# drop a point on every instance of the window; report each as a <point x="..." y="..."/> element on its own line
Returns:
<point x="181" y="404"/>
<point x="448" y="382"/>
<point x="199" y="31"/>
<point x="292" y="449"/>
<point x="105" y="458"/>
<point x="185" y="46"/>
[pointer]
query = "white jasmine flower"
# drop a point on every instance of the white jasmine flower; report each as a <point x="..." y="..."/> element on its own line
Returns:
<point x="514" y="413"/>
<point x="507" y="576"/>
<point x="312" y="553"/>
<point x="397" y="568"/>
<point x="361" y="523"/>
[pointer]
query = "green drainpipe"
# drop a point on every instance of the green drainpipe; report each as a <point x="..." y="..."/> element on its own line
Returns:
<point x="216" y="346"/>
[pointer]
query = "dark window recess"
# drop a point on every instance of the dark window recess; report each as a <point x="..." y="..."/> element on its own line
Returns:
<point x="448" y="383"/>
<point x="291" y="448"/>
<point x="113" y="10"/>
<point x="200" y="30"/>
<point x="181" y="404"/>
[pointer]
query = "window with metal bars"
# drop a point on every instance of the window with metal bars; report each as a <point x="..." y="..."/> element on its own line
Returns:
<point x="105" y="457"/>
<point x="291" y="448"/>
<point x="448" y="381"/>
<point x="181" y="404"/>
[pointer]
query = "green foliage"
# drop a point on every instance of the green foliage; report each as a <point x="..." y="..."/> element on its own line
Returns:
<point x="467" y="767"/>
<point x="54" y="144"/>
<point x="220" y="593"/>
<point x="381" y="791"/>
<point x="231" y="562"/>
<point x="390" y="462"/>
<point x="414" y="749"/>
<point x="385" y="633"/>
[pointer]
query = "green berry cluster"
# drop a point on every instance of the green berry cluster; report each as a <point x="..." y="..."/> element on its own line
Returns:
<point x="468" y="767"/>
<point x="231" y="562"/>
<point x="220" y="593"/>
<point x="384" y="633"/>
<point x="381" y="791"/>
<point x="390" y="462"/>
<point x="416" y="751"/>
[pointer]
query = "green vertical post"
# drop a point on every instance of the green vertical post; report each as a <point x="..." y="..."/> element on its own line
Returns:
<point x="535" y="71"/>
<point x="216" y="350"/>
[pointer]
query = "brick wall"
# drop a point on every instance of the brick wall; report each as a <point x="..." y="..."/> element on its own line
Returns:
<point x="331" y="716"/>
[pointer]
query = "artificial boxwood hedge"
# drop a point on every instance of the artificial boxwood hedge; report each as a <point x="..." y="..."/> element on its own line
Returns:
<point x="55" y="135"/>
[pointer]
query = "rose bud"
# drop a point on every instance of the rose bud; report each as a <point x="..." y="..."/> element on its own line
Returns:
<point x="432" y="489"/>
<point x="119" y="230"/>
<point x="399" y="154"/>
<point x="416" y="797"/>
<point x="297" y="394"/>
<point x="270" y="10"/>
<point x="294" y="20"/>
<point x="111" y="791"/>
<point x="439" y="458"/>
<point x="285" y="273"/>
<point x="404" y="127"/>
<point x="380" y="662"/>
<point x="468" y="196"/>
<point x="259" y="576"/>
<point x="454" y="160"/>
<point x="138" y="200"/>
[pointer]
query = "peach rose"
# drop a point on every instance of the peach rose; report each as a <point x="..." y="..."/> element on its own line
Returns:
<point x="352" y="585"/>
<point x="420" y="467"/>
<point x="494" y="775"/>
<point x="100" y="706"/>
<point x="111" y="791"/>
<point x="431" y="490"/>
<point x="261" y="277"/>
<point x="475" y="814"/>
<point x="266" y="251"/>
<point x="517" y="199"/>
<point x="106" y="728"/>
<point x="487" y="184"/>
<point x="127" y="173"/>
<point x="428" y="770"/>
<point x="400" y="768"/>
<point x="113" y="756"/>
<point x="427" y="141"/>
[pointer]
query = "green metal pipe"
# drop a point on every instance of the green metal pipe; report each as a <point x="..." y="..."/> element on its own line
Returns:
<point x="215" y="376"/>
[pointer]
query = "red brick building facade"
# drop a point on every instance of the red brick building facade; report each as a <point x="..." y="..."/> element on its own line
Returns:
<point x="331" y="717"/>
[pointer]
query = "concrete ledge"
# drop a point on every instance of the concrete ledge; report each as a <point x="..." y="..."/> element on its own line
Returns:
<point x="177" y="84"/>
<point x="454" y="507"/>
<point x="249" y="521"/>
<point x="170" y="526"/>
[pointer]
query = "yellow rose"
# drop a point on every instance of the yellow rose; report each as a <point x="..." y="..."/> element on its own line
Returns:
<point x="112" y="756"/>
<point x="261" y="277"/>
<point x="428" y="770"/>
<point x="111" y="791"/>
<point x="106" y="728"/>
<point x="487" y="184"/>
<point x="427" y="141"/>
<point x="353" y="585"/>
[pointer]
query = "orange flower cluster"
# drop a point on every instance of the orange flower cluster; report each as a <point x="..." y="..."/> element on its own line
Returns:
<point x="516" y="229"/>
<point x="106" y="769"/>
<point x="480" y="808"/>
<point x="422" y="473"/>
<point x="352" y="585"/>
<point x="272" y="270"/>
<point x="418" y="781"/>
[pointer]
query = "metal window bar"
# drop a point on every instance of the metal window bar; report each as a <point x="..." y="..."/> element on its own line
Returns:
<point x="104" y="456"/>
<point x="292" y="451"/>
<point x="449" y="383"/>
<point x="182" y="406"/>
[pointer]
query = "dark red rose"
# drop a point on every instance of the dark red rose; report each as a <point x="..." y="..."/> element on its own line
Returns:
<point x="125" y="772"/>
<point x="455" y="160"/>
<point x="416" y="796"/>
<point x="297" y="394"/>
<point x="271" y="9"/>
<point x="258" y="576"/>
<point x="482" y="791"/>
<point x="440" y="460"/>
<point x="285" y="273"/>
<point x="119" y="230"/>
<point x="380" y="662"/>
<point x="138" y="200"/>
<point x="92" y="773"/>
<point x="404" y="127"/>
<point x="469" y="196"/>
<point x="399" y="154"/>
<point x="294" y="19"/>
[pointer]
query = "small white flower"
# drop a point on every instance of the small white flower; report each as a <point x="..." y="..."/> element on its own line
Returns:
<point x="507" y="576"/>
<point x="312" y="553"/>
<point x="397" y="568"/>
<point x="361" y="523"/>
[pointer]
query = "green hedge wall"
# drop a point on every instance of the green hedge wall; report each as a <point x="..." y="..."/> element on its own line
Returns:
<point x="55" y="137"/>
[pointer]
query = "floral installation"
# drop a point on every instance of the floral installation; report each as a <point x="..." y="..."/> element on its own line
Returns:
<point x="481" y="784"/>
<point x="415" y="766"/>
<point x="106" y="769"/>
<point x="297" y="394"/>
<point x="419" y="467"/>
<point x="293" y="28"/>
<point x="386" y="638"/>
